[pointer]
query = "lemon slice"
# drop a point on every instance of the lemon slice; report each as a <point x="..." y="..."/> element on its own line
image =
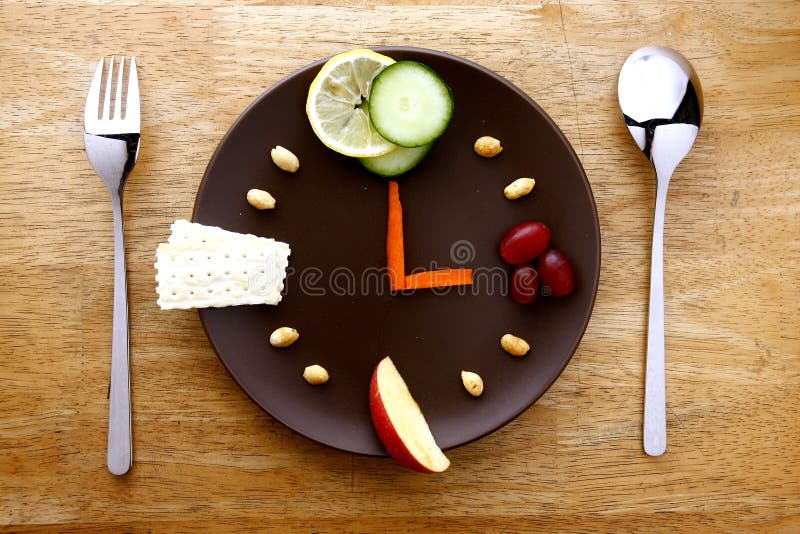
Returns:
<point x="338" y="106"/>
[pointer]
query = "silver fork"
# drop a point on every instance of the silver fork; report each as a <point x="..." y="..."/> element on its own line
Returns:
<point x="112" y="146"/>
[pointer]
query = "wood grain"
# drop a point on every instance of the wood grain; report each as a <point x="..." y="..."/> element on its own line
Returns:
<point x="207" y="459"/>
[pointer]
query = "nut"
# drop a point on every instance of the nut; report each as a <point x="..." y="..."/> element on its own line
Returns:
<point x="284" y="159"/>
<point x="283" y="336"/>
<point x="488" y="147"/>
<point x="519" y="188"/>
<point x="315" y="375"/>
<point x="260" y="200"/>
<point x="515" y="346"/>
<point x="472" y="382"/>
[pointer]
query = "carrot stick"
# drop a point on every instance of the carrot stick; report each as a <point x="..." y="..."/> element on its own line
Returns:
<point x="395" y="253"/>
<point x="442" y="278"/>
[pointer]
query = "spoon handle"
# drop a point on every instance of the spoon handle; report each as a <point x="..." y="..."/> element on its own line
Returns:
<point x="655" y="402"/>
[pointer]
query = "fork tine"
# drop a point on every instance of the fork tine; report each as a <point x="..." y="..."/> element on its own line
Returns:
<point x="118" y="98"/>
<point x="107" y="96"/>
<point x="93" y="98"/>
<point x="132" y="103"/>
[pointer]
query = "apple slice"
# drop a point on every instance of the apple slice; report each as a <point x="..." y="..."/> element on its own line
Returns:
<point x="400" y="423"/>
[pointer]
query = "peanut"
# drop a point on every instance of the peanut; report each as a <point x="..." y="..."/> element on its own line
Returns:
<point x="519" y="188"/>
<point x="260" y="200"/>
<point x="472" y="383"/>
<point x="488" y="147"/>
<point x="515" y="346"/>
<point x="283" y="336"/>
<point x="315" y="375"/>
<point x="284" y="159"/>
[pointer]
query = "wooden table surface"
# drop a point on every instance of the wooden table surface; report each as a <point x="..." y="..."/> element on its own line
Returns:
<point x="206" y="458"/>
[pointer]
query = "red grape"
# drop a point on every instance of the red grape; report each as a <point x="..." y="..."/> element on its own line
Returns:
<point x="524" y="242"/>
<point x="556" y="274"/>
<point x="524" y="284"/>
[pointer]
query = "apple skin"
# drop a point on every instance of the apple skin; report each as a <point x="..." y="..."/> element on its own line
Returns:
<point x="386" y="431"/>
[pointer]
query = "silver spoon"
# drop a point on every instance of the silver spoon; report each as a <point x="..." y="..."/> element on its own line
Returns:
<point x="662" y="103"/>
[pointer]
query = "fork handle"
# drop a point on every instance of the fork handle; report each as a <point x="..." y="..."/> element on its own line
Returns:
<point x="655" y="401"/>
<point x="119" y="411"/>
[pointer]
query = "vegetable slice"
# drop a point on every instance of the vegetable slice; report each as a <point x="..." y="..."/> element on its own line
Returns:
<point x="410" y="104"/>
<point x="396" y="162"/>
<point x="441" y="278"/>
<point x="395" y="253"/>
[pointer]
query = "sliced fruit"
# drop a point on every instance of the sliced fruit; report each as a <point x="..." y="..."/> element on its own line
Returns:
<point x="400" y="424"/>
<point x="396" y="162"/>
<point x="338" y="104"/>
<point x="410" y="104"/>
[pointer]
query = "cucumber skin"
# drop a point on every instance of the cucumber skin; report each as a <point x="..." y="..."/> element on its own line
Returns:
<point x="369" y="163"/>
<point x="423" y="66"/>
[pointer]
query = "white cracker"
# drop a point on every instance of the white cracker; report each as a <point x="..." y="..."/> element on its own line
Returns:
<point x="216" y="268"/>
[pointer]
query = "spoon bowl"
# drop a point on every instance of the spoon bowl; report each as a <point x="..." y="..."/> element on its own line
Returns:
<point x="662" y="104"/>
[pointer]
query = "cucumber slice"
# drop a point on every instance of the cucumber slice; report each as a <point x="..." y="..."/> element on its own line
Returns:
<point x="397" y="162"/>
<point x="409" y="104"/>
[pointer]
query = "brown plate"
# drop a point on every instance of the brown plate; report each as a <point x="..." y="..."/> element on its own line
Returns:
<point x="333" y="214"/>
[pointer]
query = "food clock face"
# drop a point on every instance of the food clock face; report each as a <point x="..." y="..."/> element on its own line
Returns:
<point x="333" y="213"/>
